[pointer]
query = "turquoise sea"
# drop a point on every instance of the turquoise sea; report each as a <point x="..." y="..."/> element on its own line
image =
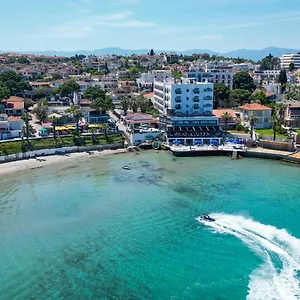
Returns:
<point x="90" y="230"/>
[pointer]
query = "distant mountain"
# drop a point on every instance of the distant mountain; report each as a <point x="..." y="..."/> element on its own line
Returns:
<point x="259" y="54"/>
<point x="242" y="53"/>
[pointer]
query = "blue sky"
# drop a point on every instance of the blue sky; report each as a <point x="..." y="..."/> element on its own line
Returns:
<point x="220" y="25"/>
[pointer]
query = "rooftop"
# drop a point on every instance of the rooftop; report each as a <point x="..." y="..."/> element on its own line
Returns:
<point x="219" y="112"/>
<point x="254" y="106"/>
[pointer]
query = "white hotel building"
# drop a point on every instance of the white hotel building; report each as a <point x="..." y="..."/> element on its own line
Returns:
<point x="186" y="111"/>
<point x="287" y="59"/>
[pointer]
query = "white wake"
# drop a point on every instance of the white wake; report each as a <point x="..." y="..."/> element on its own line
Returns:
<point x="279" y="276"/>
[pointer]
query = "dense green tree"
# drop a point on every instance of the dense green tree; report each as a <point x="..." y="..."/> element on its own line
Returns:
<point x="14" y="82"/>
<point x="239" y="96"/>
<point x="152" y="52"/>
<point x="242" y="80"/>
<point x="69" y="87"/>
<point x="4" y="92"/>
<point x="56" y="76"/>
<point x="291" y="66"/>
<point x="41" y="110"/>
<point x="41" y="92"/>
<point x="94" y="92"/>
<point x="23" y="60"/>
<point x="28" y="103"/>
<point x="282" y="77"/>
<point x="221" y="93"/>
<point x="269" y="63"/>
<point x="102" y="104"/>
<point x="144" y="103"/>
<point x="259" y="96"/>
<point x="293" y="93"/>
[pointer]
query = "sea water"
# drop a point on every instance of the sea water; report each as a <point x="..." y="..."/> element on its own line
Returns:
<point x="91" y="230"/>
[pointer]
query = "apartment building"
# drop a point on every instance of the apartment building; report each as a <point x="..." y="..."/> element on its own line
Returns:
<point x="186" y="106"/>
<point x="287" y="59"/>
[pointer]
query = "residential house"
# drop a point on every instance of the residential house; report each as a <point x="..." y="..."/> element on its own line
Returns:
<point x="15" y="106"/>
<point x="261" y="112"/>
<point x="292" y="115"/>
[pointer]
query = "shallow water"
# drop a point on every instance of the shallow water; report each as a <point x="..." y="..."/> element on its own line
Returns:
<point x="91" y="230"/>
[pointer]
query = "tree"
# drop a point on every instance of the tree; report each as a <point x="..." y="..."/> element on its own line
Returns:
<point x="259" y="96"/>
<point x="4" y="92"/>
<point x="176" y="74"/>
<point x="14" y="82"/>
<point x="152" y="52"/>
<point x="291" y="66"/>
<point x="25" y="118"/>
<point x="69" y="87"/>
<point x="221" y="93"/>
<point x="40" y="111"/>
<point x="76" y="113"/>
<point x="41" y="92"/>
<point x="275" y="122"/>
<point x="56" y="76"/>
<point x="239" y="96"/>
<point x="252" y="121"/>
<point x="293" y="93"/>
<point x="125" y="102"/>
<point x="28" y="103"/>
<point x="242" y="80"/>
<point x="54" y="118"/>
<point x="94" y="92"/>
<point x="144" y="103"/>
<point x="226" y="117"/>
<point x="102" y="105"/>
<point x="134" y="104"/>
<point x="269" y="63"/>
<point x="282" y="77"/>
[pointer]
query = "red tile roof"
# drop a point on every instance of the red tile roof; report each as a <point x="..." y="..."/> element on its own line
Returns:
<point x="149" y="95"/>
<point x="254" y="106"/>
<point x="219" y="112"/>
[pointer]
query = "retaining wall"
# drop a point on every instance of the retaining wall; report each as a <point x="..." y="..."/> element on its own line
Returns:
<point x="281" y="146"/>
<point x="64" y="150"/>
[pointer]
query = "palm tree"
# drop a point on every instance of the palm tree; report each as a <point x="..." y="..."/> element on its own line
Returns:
<point x="226" y="117"/>
<point x="76" y="113"/>
<point x="25" y="118"/>
<point x="275" y="122"/>
<point x="93" y="131"/>
<point x="54" y="118"/>
<point x="252" y="120"/>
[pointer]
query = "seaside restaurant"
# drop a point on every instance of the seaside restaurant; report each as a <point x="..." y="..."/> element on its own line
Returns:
<point x="192" y="130"/>
<point x="137" y="121"/>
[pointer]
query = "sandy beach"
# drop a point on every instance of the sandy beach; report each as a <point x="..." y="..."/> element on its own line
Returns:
<point x="35" y="163"/>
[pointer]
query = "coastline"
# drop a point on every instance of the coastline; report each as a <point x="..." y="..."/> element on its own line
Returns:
<point x="40" y="162"/>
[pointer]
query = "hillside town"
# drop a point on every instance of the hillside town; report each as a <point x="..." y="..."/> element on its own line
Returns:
<point x="185" y="100"/>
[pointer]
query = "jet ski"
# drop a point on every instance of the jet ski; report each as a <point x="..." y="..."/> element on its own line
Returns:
<point x="206" y="218"/>
<point x="126" y="168"/>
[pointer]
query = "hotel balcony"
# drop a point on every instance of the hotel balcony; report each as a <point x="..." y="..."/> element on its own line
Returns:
<point x="196" y="91"/>
<point x="208" y="90"/>
<point x="178" y="99"/>
<point x="196" y="99"/>
<point x="177" y="106"/>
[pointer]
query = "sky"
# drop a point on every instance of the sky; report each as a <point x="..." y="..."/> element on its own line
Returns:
<point x="219" y="25"/>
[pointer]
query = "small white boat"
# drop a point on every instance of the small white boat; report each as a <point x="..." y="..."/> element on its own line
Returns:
<point x="126" y="168"/>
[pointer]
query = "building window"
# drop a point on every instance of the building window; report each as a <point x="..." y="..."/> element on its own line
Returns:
<point x="187" y="90"/>
<point x="187" y="106"/>
<point x="196" y="91"/>
<point x="187" y="98"/>
<point x="178" y="91"/>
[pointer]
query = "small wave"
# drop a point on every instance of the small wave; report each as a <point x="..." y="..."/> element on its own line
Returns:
<point x="278" y="276"/>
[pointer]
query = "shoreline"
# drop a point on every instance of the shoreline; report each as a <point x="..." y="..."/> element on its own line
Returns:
<point x="40" y="162"/>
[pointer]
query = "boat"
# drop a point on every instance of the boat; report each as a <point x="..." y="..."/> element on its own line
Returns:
<point x="206" y="218"/>
<point x="126" y="168"/>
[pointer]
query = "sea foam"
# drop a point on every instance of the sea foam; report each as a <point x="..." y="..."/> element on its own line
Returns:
<point x="278" y="276"/>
